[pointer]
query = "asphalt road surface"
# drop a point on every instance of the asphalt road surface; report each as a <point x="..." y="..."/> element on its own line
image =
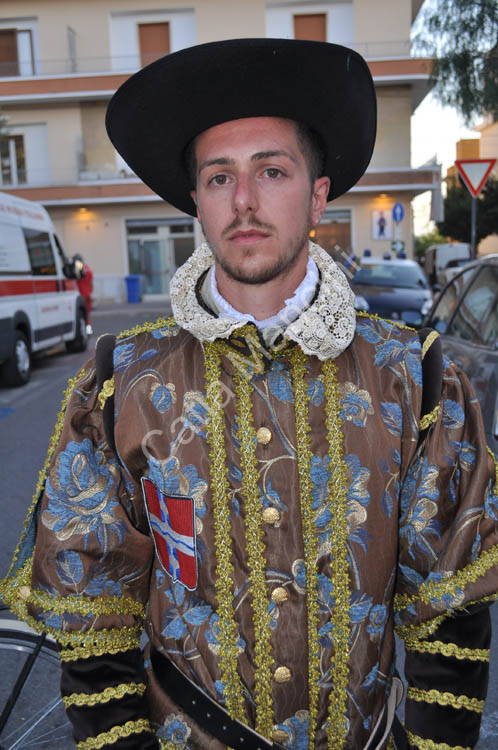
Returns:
<point x="27" y="417"/>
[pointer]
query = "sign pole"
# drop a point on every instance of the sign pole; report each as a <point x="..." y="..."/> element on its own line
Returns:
<point x="473" y="227"/>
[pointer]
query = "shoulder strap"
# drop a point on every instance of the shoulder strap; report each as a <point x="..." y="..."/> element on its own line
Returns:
<point x="432" y="376"/>
<point x="104" y="366"/>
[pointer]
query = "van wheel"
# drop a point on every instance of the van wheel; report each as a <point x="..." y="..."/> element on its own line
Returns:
<point x="80" y="341"/>
<point x="17" y="369"/>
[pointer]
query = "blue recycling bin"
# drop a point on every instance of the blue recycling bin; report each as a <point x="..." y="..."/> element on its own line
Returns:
<point x="133" y="288"/>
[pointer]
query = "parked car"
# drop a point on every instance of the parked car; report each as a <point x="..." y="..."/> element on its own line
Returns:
<point x="437" y="257"/>
<point x="451" y="270"/>
<point x="40" y="304"/>
<point x="466" y="316"/>
<point x="393" y="289"/>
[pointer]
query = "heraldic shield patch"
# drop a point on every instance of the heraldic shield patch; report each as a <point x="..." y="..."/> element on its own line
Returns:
<point x="172" y="523"/>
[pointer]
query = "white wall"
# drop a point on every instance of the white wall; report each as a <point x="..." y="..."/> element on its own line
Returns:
<point x="125" y="50"/>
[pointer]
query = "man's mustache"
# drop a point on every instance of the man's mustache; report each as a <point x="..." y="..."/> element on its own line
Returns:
<point x="251" y="222"/>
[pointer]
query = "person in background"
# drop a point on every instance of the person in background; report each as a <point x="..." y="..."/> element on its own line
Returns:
<point x="85" y="286"/>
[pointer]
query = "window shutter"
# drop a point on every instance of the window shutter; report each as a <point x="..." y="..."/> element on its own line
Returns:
<point x="8" y="53"/>
<point x="154" y="41"/>
<point x="312" y="26"/>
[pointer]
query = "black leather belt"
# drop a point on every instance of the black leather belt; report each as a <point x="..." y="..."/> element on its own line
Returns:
<point x="210" y="716"/>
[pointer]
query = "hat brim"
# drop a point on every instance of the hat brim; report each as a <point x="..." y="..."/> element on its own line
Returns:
<point x="157" y="112"/>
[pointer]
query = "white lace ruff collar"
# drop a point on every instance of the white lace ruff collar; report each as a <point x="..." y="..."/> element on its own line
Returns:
<point x="325" y="329"/>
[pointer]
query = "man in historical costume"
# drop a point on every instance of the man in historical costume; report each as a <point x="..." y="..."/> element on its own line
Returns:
<point x="268" y="481"/>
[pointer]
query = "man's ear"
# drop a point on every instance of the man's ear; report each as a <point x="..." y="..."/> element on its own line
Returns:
<point x="193" y="195"/>
<point x="321" y="189"/>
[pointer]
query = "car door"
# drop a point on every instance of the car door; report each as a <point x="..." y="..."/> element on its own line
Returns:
<point x="466" y="316"/>
<point x="55" y="314"/>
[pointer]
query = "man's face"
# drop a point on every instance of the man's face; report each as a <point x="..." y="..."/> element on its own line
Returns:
<point x="254" y="198"/>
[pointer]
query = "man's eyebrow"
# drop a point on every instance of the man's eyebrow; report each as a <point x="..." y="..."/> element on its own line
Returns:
<point x="220" y="160"/>
<point x="268" y="154"/>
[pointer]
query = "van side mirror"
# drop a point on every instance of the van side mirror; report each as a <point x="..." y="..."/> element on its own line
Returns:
<point x="74" y="269"/>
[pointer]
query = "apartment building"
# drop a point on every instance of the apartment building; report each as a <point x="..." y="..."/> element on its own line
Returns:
<point x="61" y="61"/>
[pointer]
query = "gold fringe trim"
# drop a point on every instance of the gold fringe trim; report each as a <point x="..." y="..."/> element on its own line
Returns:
<point x="429" y="418"/>
<point x="374" y="316"/>
<point x="105" y="605"/>
<point x="109" y="694"/>
<point x="147" y="327"/>
<point x="424" y="744"/>
<point x="495" y="461"/>
<point x="436" y="589"/>
<point x="310" y="541"/>
<point x="115" y="734"/>
<point x="106" y="391"/>
<point x="256" y="558"/>
<point x="71" y="385"/>
<point x="227" y="627"/>
<point x="447" y="649"/>
<point x="445" y="699"/>
<point x="429" y="342"/>
<point x="337" y="491"/>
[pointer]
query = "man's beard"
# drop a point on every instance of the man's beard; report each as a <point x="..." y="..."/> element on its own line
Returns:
<point x="282" y="265"/>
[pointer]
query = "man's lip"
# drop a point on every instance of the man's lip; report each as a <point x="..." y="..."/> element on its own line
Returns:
<point x="248" y="234"/>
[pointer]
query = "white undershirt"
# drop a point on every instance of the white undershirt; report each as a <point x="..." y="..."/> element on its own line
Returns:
<point x="291" y="310"/>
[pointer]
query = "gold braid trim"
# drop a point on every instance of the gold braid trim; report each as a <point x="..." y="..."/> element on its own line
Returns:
<point x="147" y="327"/>
<point x="495" y="461"/>
<point x="424" y="744"/>
<point x="310" y="541"/>
<point x="109" y="694"/>
<point x="445" y="699"/>
<point x="71" y="385"/>
<point x="422" y="630"/>
<point x="108" y="605"/>
<point x="436" y="589"/>
<point x="115" y="734"/>
<point x="429" y="342"/>
<point x="337" y="490"/>
<point x="227" y="626"/>
<point x="429" y="418"/>
<point x="256" y="558"/>
<point x="106" y="391"/>
<point x="374" y="316"/>
<point x="447" y="649"/>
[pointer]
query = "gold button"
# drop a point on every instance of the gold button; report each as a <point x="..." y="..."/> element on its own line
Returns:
<point x="24" y="593"/>
<point x="270" y="515"/>
<point x="278" y="735"/>
<point x="263" y="436"/>
<point x="279" y="595"/>
<point x="282" y="674"/>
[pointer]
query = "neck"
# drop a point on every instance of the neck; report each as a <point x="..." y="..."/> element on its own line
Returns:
<point x="261" y="300"/>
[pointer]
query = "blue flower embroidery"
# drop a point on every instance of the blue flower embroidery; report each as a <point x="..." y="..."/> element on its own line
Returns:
<point x="378" y="618"/>
<point x="279" y="381"/>
<point x="82" y="496"/>
<point x="356" y="403"/>
<point x="175" y="730"/>
<point x="296" y="728"/>
<point x="163" y="396"/>
<point x="418" y="522"/>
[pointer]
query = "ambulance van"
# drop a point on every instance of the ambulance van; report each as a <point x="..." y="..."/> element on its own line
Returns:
<point x="40" y="305"/>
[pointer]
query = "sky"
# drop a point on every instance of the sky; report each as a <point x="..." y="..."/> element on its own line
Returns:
<point x="435" y="131"/>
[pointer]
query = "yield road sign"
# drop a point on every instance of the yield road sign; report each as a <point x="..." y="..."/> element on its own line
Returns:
<point x="475" y="172"/>
<point x="398" y="212"/>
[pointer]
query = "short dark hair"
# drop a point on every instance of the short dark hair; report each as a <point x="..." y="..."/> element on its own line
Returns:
<point x="310" y="144"/>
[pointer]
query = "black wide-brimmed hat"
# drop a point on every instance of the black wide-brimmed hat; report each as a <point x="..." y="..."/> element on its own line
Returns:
<point x="155" y="114"/>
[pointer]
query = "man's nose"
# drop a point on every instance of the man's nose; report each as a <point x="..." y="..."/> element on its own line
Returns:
<point x="245" y="195"/>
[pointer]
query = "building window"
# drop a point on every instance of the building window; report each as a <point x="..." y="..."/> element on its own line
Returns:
<point x="156" y="247"/>
<point x="311" y="26"/>
<point x="16" y="52"/>
<point x="153" y="39"/>
<point x="13" y="160"/>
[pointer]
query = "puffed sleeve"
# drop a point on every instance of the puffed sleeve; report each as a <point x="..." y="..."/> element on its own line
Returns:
<point x="85" y="582"/>
<point x="448" y="572"/>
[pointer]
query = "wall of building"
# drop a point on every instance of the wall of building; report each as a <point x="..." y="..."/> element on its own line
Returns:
<point x="98" y="151"/>
<point x="382" y="28"/>
<point x="392" y="147"/>
<point x="64" y="138"/>
<point x="218" y="19"/>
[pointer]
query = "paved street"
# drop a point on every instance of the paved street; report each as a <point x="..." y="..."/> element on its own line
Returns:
<point x="27" y="417"/>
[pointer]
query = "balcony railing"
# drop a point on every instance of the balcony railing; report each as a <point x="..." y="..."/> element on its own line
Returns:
<point x="131" y="63"/>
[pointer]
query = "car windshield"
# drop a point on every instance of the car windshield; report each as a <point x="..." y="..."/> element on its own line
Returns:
<point x="392" y="275"/>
